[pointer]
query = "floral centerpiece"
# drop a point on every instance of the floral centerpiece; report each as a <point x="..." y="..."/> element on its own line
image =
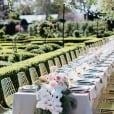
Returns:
<point x="51" y="93"/>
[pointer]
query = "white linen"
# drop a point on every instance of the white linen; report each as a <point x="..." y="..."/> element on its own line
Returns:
<point x="24" y="103"/>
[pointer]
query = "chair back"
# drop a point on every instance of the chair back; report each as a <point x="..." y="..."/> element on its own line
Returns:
<point x="57" y="62"/>
<point x="68" y="57"/>
<point x="8" y="90"/>
<point x="77" y="53"/>
<point x="72" y="55"/>
<point x="33" y="74"/>
<point x="22" y="79"/>
<point x="63" y="60"/>
<point x="50" y="63"/>
<point x="43" y="69"/>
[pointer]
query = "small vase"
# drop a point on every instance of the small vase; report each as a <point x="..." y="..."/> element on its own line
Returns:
<point x="41" y="111"/>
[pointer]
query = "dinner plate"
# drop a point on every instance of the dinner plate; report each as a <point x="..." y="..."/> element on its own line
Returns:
<point x="79" y="88"/>
<point x="90" y="76"/>
<point x="85" y="82"/>
<point x="29" y="88"/>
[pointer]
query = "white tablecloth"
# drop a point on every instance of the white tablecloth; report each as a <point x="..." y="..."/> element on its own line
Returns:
<point x="24" y="103"/>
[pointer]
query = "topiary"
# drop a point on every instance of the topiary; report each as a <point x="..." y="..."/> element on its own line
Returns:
<point x="44" y="28"/>
<point x="76" y="33"/>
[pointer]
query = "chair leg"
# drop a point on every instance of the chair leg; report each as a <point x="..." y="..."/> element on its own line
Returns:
<point x="5" y="110"/>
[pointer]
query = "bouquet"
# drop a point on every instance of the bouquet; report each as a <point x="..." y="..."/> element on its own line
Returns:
<point x="52" y="95"/>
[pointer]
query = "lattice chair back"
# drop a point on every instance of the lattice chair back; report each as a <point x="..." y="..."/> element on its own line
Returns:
<point x="43" y="69"/>
<point x="77" y="53"/>
<point x="81" y="51"/>
<point x="8" y="90"/>
<point x="72" y="55"/>
<point x="63" y="60"/>
<point x="87" y="49"/>
<point x="57" y="62"/>
<point x="33" y="74"/>
<point x="50" y="63"/>
<point x="22" y="78"/>
<point x="68" y="57"/>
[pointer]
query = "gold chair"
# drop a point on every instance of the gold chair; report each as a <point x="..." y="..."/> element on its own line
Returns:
<point x="68" y="57"/>
<point x="105" y="106"/>
<point x="57" y="62"/>
<point x="72" y="55"/>
<point x="43" y="69"/>
<point x="8" y="91"/>
<point x="22" y="79"/>
<point x="33" y="74"/>
<point x="63" y="60"/>
<point x="50" y="63"/>
<point x="77" y="53"/>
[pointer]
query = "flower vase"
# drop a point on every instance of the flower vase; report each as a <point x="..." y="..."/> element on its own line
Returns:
<point x="41" y="111"/>
<point x="68" y="102"/>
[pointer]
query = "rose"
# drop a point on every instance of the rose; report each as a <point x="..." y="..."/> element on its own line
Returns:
<point x="53" y="83"/>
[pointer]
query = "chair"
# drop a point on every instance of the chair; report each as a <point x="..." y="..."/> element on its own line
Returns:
<point x="50" y="63"/>
<point x="77" y="53"/>
<point x="43" y="69"/>
<point x="8" y="91"/>
<point x="63" y="60"/>
<point x="33" y="74"/>
<point x="22" y="79"/>
<point x="82" y="51"/>
<point x="105" y="106"/>
<point x="68" y="57"/>
<point x="57" y="62"/>
<point x="5" y="110"/>
<point x="72" y="55"/>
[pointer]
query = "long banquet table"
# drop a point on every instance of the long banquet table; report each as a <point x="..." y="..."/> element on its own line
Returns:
<point x="25" y="102"/>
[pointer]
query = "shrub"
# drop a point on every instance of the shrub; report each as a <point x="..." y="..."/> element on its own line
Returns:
<point x="0" y="47"/>
<point x="25" y="56"/>
<point x="44" y="29"/>
<point x="10" y="28"/>
<point x="46" y="48"/>
<point x="37" y="51"/>
<point x="76" y="33"/>
<point x="54" y="46"/>
<point x="13" y="58"/>
<point x="30" y="47"/>
<point x="2" y="33"/>
<point x="13" y="15"/>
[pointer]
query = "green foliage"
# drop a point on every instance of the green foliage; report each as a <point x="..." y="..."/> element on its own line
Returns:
<point x="37" y="51"/>
<point x="13" y="15"/>
<point x="2" y="33"/>
<point x="32" y="29"/>
<point x="46" y="29"/>
<point x="0" y="47"/>
<point x="13" y="58"/>
<point x="30" y="47"/>
<point x="76" y="33"/>
<point x="19" y="57"/>
<point x="54" y="46"/>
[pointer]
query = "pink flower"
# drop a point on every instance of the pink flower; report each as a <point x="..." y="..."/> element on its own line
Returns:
<point x="53" y="83"/>
<point x="58" y="78"/>
<point x="51" y="76"/>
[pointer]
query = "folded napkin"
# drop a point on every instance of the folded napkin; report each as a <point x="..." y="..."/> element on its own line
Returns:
<point x="28" y="88"/>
